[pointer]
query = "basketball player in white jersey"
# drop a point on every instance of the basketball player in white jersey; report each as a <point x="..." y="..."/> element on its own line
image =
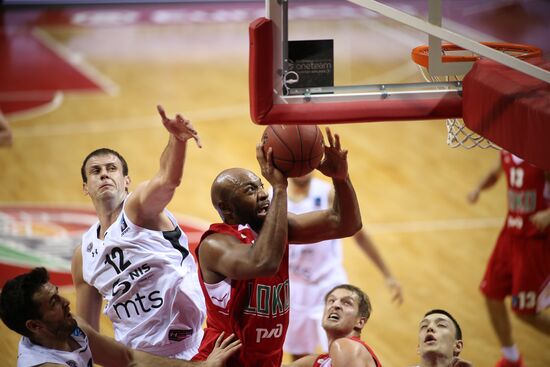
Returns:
<point x="314" y="269"/>
<point x="32" y="306"/>
<point x="136" y="257"/>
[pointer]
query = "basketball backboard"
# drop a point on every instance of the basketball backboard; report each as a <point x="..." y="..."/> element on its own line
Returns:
<point x="366" y="33"/>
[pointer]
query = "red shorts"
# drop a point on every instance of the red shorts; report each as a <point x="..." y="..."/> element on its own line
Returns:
<point x="519" y="267"/>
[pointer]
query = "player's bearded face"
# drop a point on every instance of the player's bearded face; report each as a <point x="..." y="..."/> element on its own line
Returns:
<point x="55" y="311"/>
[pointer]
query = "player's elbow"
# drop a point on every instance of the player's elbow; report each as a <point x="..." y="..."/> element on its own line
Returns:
<point x="172" y="183"/>
<point x="357" y="227"/>
<point x="350" y="227"/>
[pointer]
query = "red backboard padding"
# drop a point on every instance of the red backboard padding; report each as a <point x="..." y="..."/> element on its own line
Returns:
<point x="264" y="112"/>
<point x="510" y="108"/>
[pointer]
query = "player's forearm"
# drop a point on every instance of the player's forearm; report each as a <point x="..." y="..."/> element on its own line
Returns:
<point x="88" y="310"/>
<point x="143" y="359"/>
<point x="369" y="248"/>
<point x="488" y="182"/>
<point x="346" y="208"/>
<point x="269" y="247"/>
<point x="172" y="162"/>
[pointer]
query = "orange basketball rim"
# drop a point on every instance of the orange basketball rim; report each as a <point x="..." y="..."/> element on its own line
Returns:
<point x="420" y="54"/>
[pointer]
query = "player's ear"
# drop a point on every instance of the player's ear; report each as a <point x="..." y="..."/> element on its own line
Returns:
<point x="127" y="182"/>
<point x="85" y="188"/>
<point x="459" y="345"/>
<point x="34" y="326"/>
<point x="360" y="323"/>
<point x="225" y="210"/>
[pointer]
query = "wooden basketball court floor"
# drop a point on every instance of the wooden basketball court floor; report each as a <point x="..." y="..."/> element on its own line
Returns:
<point x="412" y="188"/>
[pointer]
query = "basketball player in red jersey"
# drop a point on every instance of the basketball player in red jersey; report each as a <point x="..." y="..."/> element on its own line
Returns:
<point x="243" y="262"/>
<point x="347" y="309"/>
<point x="520" y="263"/>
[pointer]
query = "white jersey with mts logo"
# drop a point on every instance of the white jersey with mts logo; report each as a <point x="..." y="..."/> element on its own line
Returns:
<point x="31" y="354"/>
<point x="149" y="280"/>
<point x="312" y="262"/>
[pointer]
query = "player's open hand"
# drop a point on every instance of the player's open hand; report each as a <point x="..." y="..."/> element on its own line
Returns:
<point x="269" y="171"/>
<point x="180" y="127"/>
<point x="335" y="162"/>
<point x="223" y="349"/>
<point x="395" y="290"/>
<point x="541" y="219"/>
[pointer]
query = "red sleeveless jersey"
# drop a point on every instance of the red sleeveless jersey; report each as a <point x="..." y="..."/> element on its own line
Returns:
<point x="324" y="360"/>
<point x="257" y="311"/>
<point x="525" y="195"/>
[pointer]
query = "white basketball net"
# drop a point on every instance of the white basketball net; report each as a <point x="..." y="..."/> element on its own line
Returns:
<point x="458" y="135"/>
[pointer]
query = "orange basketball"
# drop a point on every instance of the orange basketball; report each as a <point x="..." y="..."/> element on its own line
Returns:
<point x="297" y="149"/>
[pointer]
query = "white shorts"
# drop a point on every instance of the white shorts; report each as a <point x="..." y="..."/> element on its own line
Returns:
<point x="305" y="332"/>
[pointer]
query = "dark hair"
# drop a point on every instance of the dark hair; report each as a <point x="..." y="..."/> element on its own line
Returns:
<point x="365" y="307"/>
<point x="458" y="334"/>
<point x="16" y="301"/>
<point x="103" y="151"/>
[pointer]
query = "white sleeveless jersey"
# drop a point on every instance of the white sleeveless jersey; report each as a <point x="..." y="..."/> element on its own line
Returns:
<point x="149" y="280"/>
<point x="30" y="354"/>
<point x="313" y="261"/>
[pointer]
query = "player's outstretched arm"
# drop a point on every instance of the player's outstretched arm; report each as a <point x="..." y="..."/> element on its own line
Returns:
<point x="306" y="361"/>
<point x="110" y="353"/>
<point x="88" y="299"/>
<point x="145" y="206"/>
<point x="343" y="219"/>
<point x="365" y="242"/>
<point x="487" y="182"/>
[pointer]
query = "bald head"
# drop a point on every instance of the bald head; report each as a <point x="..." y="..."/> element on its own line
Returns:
<point x="225" y="186"/>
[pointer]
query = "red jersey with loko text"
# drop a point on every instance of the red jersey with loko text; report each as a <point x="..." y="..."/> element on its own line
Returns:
<point x="526" y="184"/>
<point x="255" y="310"/>
<point x="324" y="360"/>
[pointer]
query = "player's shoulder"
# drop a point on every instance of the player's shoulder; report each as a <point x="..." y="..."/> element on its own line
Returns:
<point x="350" y="348"/>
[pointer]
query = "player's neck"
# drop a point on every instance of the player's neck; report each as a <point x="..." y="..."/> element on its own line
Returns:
<point x="435" y="360"/>
<point x="298" y="193"/>
<point x="107" y="213"/>
<point x="333" y="336"/>
<point x="65" y="343"/>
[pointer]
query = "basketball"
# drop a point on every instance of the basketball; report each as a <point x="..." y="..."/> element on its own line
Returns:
<point x="297" y="149"/>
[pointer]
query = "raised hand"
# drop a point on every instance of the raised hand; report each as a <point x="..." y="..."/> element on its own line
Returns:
<point x="223" y="349"/>
<point x="335" y="163"/>
<point x="269" y="171"/>
<point x="181" y="128"/>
